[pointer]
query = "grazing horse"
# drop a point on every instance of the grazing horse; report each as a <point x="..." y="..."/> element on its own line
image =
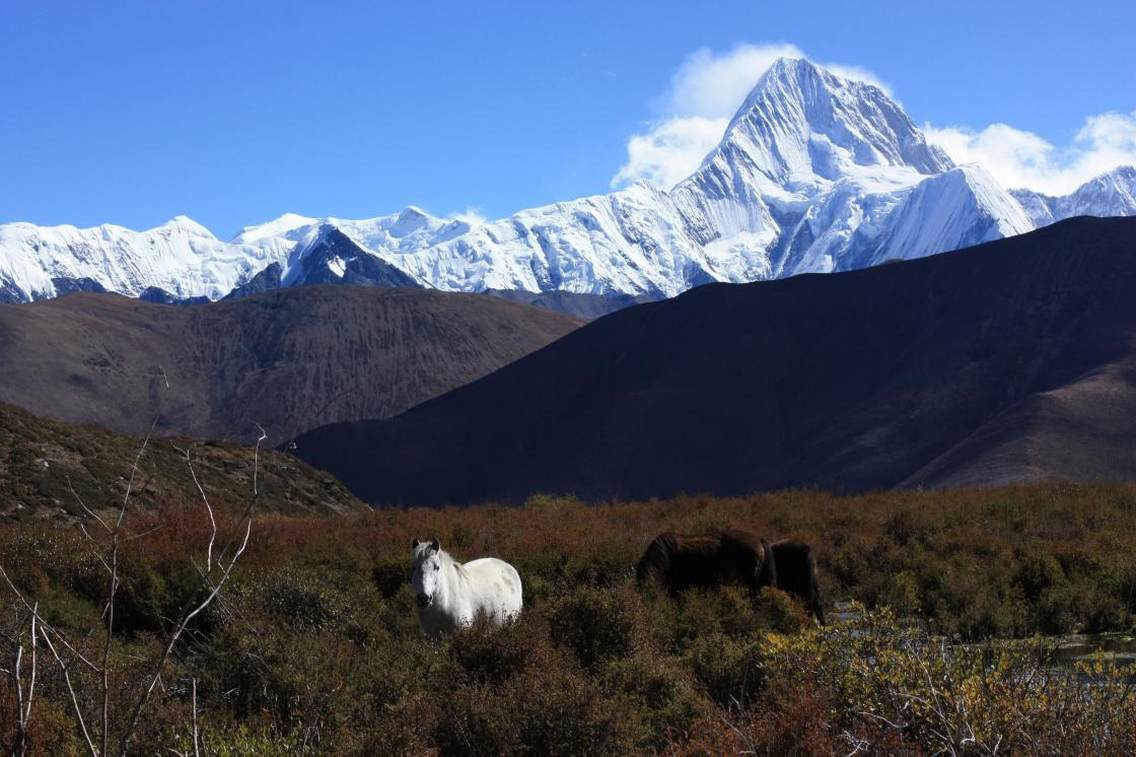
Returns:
<point x="451" y="594"/>
<point x="685" y="561"/>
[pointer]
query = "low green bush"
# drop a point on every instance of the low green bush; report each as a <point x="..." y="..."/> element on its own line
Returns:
<point x="598" y="624"/>
<point x="730" y="668"/>
<point x="492" y="655"/>
<point x="391" y="576"/>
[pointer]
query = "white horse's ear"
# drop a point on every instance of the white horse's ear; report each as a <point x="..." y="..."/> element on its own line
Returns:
<point x="414" y="544"/>
<point x="435" y="545"/>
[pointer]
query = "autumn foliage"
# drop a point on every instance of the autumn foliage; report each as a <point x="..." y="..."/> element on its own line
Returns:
<point x="314" y="645"/>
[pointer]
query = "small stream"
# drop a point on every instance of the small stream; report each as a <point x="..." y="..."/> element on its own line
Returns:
<point x="1117" y="647"/>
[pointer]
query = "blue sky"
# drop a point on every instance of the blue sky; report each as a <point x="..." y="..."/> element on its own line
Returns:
<point x="233" y="113"/>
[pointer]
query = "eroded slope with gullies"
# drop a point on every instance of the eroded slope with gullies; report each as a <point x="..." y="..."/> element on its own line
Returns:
<point x="288" y="360"/>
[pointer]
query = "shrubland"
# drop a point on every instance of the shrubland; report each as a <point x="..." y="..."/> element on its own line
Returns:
<point x="313" y="645"/>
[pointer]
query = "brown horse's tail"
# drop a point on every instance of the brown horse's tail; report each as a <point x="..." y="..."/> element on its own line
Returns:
<point x="656" y="561"/>
<point x="767" y="573"/>
<point x="797" y="574"/>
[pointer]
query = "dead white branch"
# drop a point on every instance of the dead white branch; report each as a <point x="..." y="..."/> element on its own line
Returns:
<point x="189" y="614"/>
<point x="208" y="508"/>
<point x="74" y="698"/>
<point x="44" y="624"/>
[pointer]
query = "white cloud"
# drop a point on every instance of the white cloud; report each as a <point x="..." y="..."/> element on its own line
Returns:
<point x="704" y="93"/>
<point x="713" y="86"/>
<point x="471" y="215"/>
<point x="671" y="151"/>
<point x="1020" y="158"/>
<point x="858" y="73"/>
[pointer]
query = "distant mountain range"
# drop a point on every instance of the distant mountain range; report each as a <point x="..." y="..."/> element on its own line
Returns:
<point x="1111" y="194"/>
<point x="289" y="360"/>
<point x="1010" y="361"/>
<point x="815" y="173"/>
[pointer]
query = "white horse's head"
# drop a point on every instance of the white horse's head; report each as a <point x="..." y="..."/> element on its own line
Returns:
<point x="427" y="565"/>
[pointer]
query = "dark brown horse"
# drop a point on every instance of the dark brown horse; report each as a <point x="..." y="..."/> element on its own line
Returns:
<point x="685" y="561"/>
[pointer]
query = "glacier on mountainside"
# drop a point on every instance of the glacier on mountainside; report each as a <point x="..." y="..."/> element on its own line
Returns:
<point x="815" y="173"/>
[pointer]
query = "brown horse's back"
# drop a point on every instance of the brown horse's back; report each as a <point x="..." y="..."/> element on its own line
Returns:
<point x="686" y="561"/>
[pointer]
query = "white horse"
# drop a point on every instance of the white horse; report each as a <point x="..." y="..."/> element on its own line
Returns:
<point x="450" y="595"/>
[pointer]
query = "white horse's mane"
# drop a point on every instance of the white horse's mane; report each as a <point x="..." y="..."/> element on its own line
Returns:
<point x="426" y="549"/>
<point x="447" y="560"/>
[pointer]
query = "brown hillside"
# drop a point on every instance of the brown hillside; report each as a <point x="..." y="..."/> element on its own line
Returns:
<point x="289" y="360"/>
<point x="47" y="466"/>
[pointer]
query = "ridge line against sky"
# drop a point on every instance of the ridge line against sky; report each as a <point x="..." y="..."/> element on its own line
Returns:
<point x="708" y="87"/>
<point x="134" y="112"/>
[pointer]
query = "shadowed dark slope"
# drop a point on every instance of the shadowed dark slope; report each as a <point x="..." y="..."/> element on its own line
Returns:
<point x="289" y="360"/>
<point x="906" y="373"/>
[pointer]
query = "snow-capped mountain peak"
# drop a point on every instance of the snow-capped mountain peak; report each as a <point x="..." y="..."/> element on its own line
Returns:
<point x="185" y="225"/>
<point x="802" y="126"/>
<point x="276" y="227"/>
<point x="411" y="219"/>
<point x="958" y="208"/>
<point x="1110" y="194"/>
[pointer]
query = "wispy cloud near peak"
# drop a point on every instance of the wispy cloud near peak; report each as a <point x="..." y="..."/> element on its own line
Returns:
<point x="704" y="92"/>
<point x="1022" y="159"/>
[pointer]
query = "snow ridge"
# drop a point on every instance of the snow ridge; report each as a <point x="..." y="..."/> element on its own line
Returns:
<point x="815" y="173"/>
<point x="1110" y="194"/>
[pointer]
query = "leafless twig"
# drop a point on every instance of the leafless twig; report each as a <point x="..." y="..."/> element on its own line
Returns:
<point x="86" y="509"/>
<point x="196" y="733"/>
<point x="190" y="612"/>
<point x="24" y="698"/>
<point x="44" y="625"/>
<point x="108" y="555"/>
<point x="74" y="699"/>
<point x="208" y="508"/>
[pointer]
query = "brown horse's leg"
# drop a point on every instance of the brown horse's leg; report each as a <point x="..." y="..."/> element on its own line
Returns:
<point x="815" y="603"/>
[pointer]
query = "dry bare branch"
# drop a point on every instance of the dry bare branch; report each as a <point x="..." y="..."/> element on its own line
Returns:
<point x="208" y="508"/>
<point x="189" y="614"/>
<point x="134" y="472"/>
<point x="86" y="509"/>
<point x="24" y="699"/>
<point x="32" y="677"/>
<point x="196" y="733"/>
<point x="256" y="458"/>
<point x="74" y="699"/>
<point x="44" y="624"/>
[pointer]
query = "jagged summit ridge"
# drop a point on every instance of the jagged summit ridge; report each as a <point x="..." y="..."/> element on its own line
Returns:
<point x="815" y="173"/>
<point x="801" y="125"/>
<point x="1110" y="194"/>
<point x="181" y="257"/>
